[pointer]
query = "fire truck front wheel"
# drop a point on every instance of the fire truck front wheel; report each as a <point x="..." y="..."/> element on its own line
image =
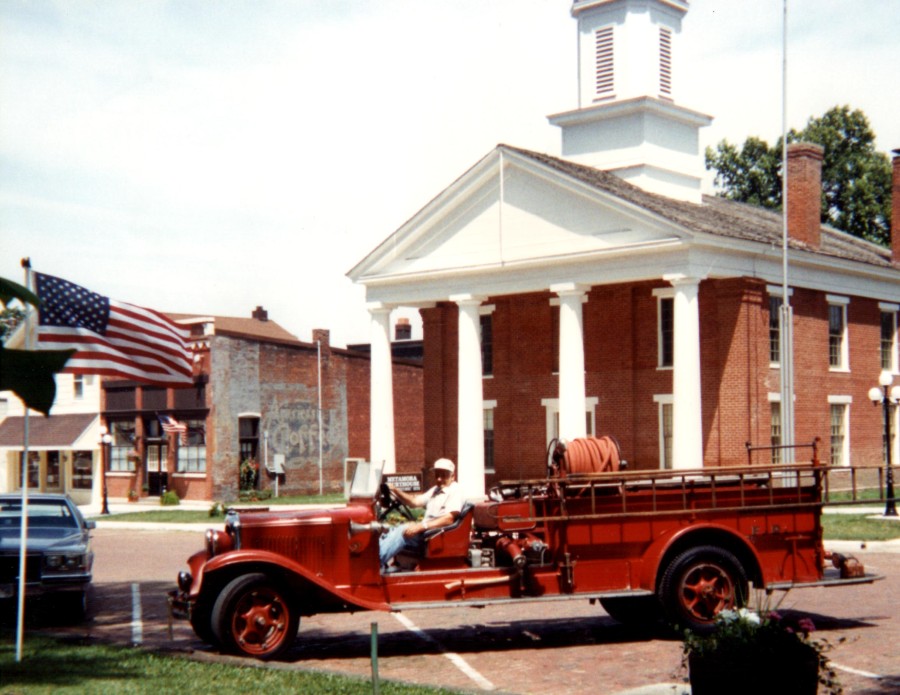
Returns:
<point x="700" y="583"/>
<point x="254" y="616"/>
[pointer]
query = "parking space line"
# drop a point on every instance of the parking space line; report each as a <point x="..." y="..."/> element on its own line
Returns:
<point x="137" y="625"/>
<point x="856" y="671"/>
<point x="454" y="658"/>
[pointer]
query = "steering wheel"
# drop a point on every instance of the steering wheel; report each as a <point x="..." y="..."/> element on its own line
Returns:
<point x="389" y="502"/>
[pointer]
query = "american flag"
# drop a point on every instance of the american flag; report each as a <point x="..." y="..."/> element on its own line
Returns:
<point x="171" y="426"/>
<point x="111" y="338"/>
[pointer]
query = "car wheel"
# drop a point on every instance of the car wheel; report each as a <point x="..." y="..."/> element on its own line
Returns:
<point x="633" y="610"/>
<point x="76" y="607"/>
<point x="253" y="616"/>
<point x="201" y="622"/>
<point x="699" y="584"/>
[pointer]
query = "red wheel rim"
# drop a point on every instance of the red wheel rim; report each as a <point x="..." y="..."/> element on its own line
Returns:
<point x="260" y="621"/>
<point x="706" y="589"/>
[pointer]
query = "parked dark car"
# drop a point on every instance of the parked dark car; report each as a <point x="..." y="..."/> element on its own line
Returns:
<point x="59" y="560"/>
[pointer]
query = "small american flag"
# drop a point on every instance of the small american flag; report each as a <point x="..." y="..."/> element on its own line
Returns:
<point x="171" y="426"/>
<point x="111" y="338"/>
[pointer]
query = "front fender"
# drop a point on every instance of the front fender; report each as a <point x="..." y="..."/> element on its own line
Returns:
<point x="672" y="543"/>
<point x="236" y="558"/>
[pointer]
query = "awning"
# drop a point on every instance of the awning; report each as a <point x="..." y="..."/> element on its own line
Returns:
<point x="60" y="431"/>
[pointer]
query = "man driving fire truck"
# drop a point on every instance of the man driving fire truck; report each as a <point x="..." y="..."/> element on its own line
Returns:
<point x="443" y="503"/>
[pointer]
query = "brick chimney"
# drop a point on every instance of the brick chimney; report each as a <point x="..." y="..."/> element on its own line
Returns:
<point x="321" y="335"/>
<point x="895" y="210"/>
<point x="403" y="329"/>
<point x="260" y="314"/>
<point x="804" y="195"/>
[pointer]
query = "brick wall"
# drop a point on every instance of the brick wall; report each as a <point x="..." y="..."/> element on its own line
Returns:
<point x="620" y="324"/>
<point x="280" y="383"/>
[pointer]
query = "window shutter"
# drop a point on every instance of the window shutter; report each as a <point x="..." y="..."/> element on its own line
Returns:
<point x="665" y="62"/>
<point x="604" y="61"/>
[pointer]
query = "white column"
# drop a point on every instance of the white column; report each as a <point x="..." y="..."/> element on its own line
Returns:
<point x="571" y="361"/>
<point x="381" y="396"/>
<point x="470" y="442"/>
<point x="687" y="420"/>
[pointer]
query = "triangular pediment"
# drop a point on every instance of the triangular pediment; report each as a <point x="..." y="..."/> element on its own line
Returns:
<point x="511" y="209"/>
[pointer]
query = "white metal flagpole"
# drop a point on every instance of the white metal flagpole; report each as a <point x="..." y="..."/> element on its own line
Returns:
<point x="786" y="315"/>
<point x="23" y="536"/>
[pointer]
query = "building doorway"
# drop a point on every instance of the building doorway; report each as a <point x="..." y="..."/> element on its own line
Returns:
<point x="157" y="475"/>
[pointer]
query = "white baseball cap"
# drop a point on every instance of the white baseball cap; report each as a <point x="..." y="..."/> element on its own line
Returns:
<point x="444" y="465"/>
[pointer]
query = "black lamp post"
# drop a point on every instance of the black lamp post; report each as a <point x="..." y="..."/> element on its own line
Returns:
<point x="887" y="397"/>
<point x="105" y="441"/>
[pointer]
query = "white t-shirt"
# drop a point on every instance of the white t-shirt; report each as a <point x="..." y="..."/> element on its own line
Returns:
<point x="439" y="502"/>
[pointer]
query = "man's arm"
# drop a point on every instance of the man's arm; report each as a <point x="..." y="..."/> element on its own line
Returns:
<point x="408" y="498"/>
<point x="422" y="526"/>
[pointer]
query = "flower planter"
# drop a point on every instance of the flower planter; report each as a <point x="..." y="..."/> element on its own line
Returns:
<point x="710" y="675"/>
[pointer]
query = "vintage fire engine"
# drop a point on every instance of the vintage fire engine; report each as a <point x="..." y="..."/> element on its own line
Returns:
<point x="677" y="545"/>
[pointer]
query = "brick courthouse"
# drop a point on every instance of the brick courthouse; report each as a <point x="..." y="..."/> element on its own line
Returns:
<point x="601" y="292"/>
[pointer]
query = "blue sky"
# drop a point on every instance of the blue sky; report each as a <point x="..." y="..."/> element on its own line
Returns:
<point x="214" y="156"/>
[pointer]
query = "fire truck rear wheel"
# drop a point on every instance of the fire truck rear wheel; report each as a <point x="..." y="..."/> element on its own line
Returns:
<point x="254" y="616"/>
<point x="700" y="583"/>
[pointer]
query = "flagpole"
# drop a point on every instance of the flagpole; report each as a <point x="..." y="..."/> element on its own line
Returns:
<point x="23" y="537"/>
<point x="786" y="314"/>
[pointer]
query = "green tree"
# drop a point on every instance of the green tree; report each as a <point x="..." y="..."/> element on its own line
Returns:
<point x="28" y="374"/>
<point x="856" y="179"/>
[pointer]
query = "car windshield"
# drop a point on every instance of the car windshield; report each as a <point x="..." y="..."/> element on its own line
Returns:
<point x="366" y="480"/>
<point x="40" y="513"/>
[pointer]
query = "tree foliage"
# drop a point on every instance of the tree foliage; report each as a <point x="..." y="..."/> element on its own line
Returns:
<point x="28" y="374"/>
<point x="856" y="179"/>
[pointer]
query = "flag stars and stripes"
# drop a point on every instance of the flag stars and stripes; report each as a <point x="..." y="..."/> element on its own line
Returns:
<point x="111" y="338"/>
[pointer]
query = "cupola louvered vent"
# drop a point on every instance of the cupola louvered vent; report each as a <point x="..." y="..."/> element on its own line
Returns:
<point x="665" y="62"/>
<point x="604" y="61"/>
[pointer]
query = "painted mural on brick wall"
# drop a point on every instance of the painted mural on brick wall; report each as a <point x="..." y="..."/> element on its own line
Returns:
<point x="294" y="432"/>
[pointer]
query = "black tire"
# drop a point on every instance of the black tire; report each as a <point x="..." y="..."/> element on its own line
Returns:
<point x="254" y="616"/>
<point x="201" y="622"/>
<point x="75" y="607"/>
<point x="633" y="610"/>
<point x="699" y="584"/>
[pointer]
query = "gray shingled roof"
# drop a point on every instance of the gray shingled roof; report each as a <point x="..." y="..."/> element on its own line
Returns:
<point x="716" y="216"/>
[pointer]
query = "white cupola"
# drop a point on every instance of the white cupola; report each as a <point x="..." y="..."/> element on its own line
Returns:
<point x="627" y="121"/>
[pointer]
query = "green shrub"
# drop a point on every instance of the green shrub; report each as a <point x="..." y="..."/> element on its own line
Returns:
<point x="169" y="499"/>
<point x="217" y="509"/>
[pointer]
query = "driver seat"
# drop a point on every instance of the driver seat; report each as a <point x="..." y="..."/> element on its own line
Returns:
<point x="450" y="541"/>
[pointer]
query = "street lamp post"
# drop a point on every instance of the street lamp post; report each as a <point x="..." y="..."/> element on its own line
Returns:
<point x="105" y="441"/>
<point x="887" y="397"/>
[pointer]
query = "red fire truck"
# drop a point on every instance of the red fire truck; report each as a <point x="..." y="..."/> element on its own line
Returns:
<point x="675" y="545"/>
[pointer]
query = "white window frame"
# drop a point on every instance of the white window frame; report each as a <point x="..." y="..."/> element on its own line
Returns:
<point x="886" y="308"/>
<point x="842" y="302"/>
<point x="777" y="454"/>
<point x="844" y="402"/>
<point x="662" y="293"/>
<point x="486" y="310"/>
<point x="662" y="401"/>
<point x="777" y="292"/>
<point x="551" y="406"/>
<point x="490" y="406"/>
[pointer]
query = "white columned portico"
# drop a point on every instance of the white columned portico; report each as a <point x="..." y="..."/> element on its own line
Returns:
<point x="470" y="418"/>
<point x="572" y="423"/>
<point x="381" y="397"/>
<point x="687" y="413"/>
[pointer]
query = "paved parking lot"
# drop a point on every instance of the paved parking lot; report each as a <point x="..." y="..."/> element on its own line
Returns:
<point x="539" y="649"/>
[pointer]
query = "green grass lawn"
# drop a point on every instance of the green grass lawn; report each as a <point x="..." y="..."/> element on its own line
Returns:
<point x="60" y="667"/>
<point x="858" y="527"/>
